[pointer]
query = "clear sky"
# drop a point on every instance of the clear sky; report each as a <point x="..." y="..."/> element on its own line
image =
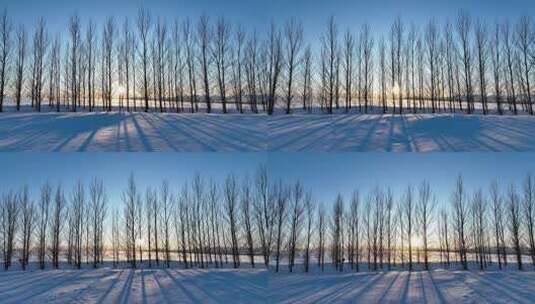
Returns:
<point x="325" y="174"/>
<point x="257" y="14"/>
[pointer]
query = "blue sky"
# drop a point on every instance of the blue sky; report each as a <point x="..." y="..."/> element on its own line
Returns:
<point x="326" y="174"/>
<point x="257" y="14"/>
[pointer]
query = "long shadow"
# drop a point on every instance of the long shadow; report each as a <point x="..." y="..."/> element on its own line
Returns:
<point x="205" y="291"/>
<point x="47" y="287"/>
<point x="24" y="279"/>
<point x="162" y="135"/>
<point x="183" y="129"/>
<point x="405" y="292"/>
<point x="365" y="142"/>
<point x="245" y="129"/>
<point x="110" y="288"/>
<point x="519" y="295"/>
<point x="229" y="279"/>
<point x="125" y="292"/>
<point x="387" y="289"/>
<point x="143" y="288"/>
<point x="161" y="289"/>
<point x="312" y="126"/>
<point x="438" y="292"/>
<point x="142" y="137"/>
<point x="184" y="290"/>
<point x="229" y="143"/>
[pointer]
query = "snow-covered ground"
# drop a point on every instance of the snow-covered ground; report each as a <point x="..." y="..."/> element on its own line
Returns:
<point x="200" y="132"/>
<point x="132" y="132"/>
<point x="108" y="285"/>
<point x="401" y="133"/>
<point x="437" y="286"/>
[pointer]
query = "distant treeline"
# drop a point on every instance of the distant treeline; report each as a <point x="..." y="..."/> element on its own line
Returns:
<point x="147" y="63"/>
<point x="205" y="223"/>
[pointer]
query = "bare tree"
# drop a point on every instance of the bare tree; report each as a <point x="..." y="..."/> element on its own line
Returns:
<point x="40" y="42"/>
<point x="293" y="33"/>
<point x="190" y="62"/>
<point x="460" y="214"/>
<point x="90" y="44"/>
<point x="509" y="51"/>
<point x="337" y="254"/>
<point x="150" y="197"/>
<point x="165" y="205"/>
<point x="144" y="25"/>
<point x="58" y="216"/>
<point x="274" y="59"/>
<point x="221" y="47"/>
<point x="251" y="66"/>
<point x="246" y="198"/>
<point x="10" y="212"/>
<point x="397" y="31"/>
<point x="383" y="76"/>
<point x="281" y="214"/>
<point x="204" y="36"/>
<point x="464" y="28"/>
<point x="497" y="218"/>
<point x="76" y="214"/>
<point x="237" y="66"/>
<point x="231" y="209"/>
<point x="159" y="65"/>
<point x="43" y="220"/>
<point x="514" y="223"/>
<point x="108" y="36"/>
<point x="296" y="221"/>
<point x="75" y="45"/>
<point x="425" y="208"/>
<point x="5" y="50"/>
<point x="408" y="208"/>
<point x="482" y="58"/>
<point x="321" y="237"/>
<point x="130" y="199"/>
<point x="309" y="212"/>
<point x="479" y="228"/>
<point x="496" y="60"/>
<point x="54" y="77"/>
<point x="524" y="41"/>
<point x="528" y="209"/>
<point x="264" y="212"/>
<point x="307" y="94"/>
<point x="354" y="231"/>
<point x="27" y="222"/>
<point x="367" y="42"/>
<point x="349" y="50"/>
<point x="19" y="64"/>
<point x="431" y="39"/>
<point x="97" y="213"/>
<point x="330" y="50"/>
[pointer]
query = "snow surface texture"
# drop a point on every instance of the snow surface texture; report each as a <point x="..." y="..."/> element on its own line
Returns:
<point x="437" y="286"/>
<point x="402" y="133"/>
<point x="137" y="132"/>
<point x="108" y="285"/>
<point x="131" y="132"/>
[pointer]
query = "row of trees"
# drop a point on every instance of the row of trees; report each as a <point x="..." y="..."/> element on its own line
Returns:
<point x="259" y="221"/>
<point x="150" y="64"/>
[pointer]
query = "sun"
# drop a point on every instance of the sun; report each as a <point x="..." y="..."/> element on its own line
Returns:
<point x="121" y="90"/>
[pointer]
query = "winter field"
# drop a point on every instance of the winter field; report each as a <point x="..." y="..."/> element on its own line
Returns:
<point x="436" y="286"/>
<point x="110" y="285"/>
<point x="123" y="131"/>
<point x="246" y="285"/>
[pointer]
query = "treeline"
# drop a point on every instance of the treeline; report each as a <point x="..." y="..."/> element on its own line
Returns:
<point x="271" y="223"/>
<point x="148" y="63"/>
